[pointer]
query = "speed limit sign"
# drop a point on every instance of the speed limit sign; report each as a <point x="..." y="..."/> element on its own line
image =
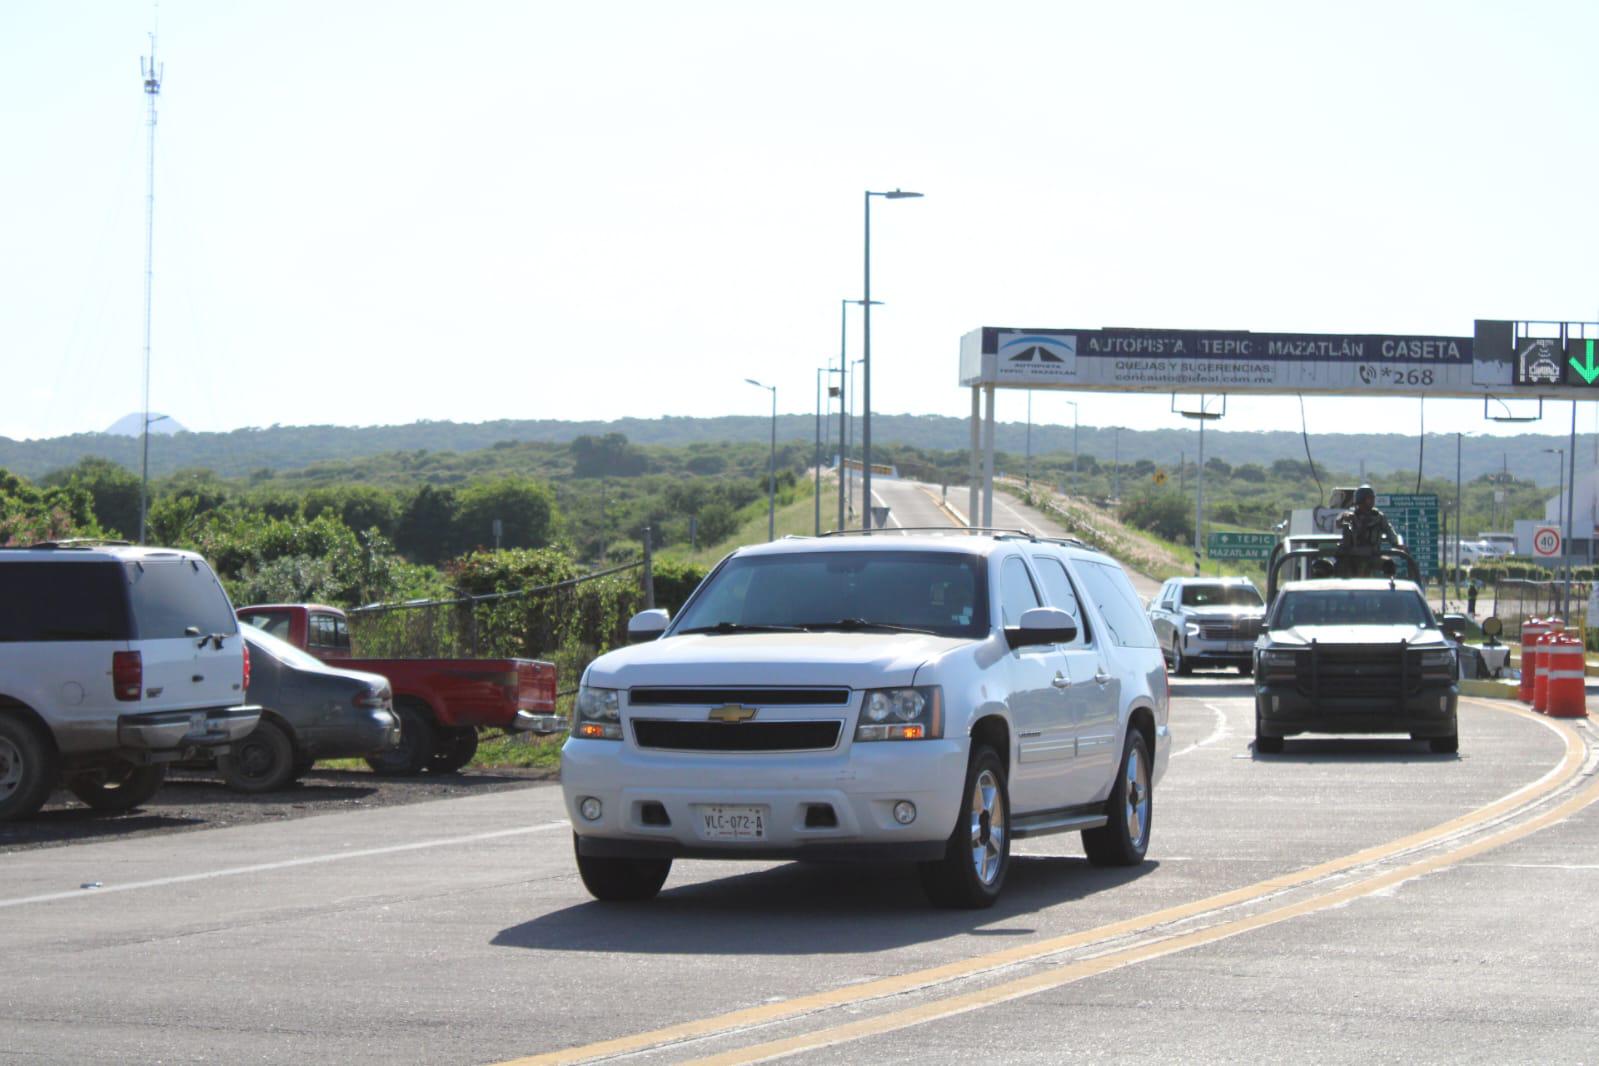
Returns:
<point x="1546" y="541"/>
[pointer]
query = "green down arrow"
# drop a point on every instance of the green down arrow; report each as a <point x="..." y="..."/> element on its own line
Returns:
<point x="1588" y="372"/>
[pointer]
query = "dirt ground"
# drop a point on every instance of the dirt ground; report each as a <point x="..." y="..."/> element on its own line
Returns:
<point x="193" y="800"/>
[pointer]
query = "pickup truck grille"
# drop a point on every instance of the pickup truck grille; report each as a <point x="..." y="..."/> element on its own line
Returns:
<point x="735" y="736"/>
<point x="754" y="697"/>
<point x="1230" y="629"/>
<point x="1353" y="671"/>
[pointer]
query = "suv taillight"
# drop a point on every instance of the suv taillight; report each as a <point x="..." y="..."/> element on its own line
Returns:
<point x="127" y="675"/>
<point x="246" y="649"/>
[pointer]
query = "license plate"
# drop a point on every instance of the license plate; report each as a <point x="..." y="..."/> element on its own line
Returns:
<point x="1238" y="646"/>
<point x="733" y="823"/>
<point x="197" y="722"/>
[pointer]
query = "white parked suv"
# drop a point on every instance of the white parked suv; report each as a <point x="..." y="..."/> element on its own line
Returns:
<point x="114" y="661"/>
<point x="924" y="698"/>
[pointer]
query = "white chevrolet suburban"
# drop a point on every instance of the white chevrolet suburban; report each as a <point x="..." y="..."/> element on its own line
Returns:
<point x="114" y="661"/>
<point x="923" y="698"/>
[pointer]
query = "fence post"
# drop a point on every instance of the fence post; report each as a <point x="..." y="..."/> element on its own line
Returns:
<point x="649" y="571"/>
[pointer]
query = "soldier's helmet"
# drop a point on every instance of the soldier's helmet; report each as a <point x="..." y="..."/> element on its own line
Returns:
<point x="1365" y="494"/>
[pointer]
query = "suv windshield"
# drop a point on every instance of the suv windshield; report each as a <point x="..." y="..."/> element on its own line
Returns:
<point x="1221" y="596"/>
<point x="1351" y="607"/>
<point x="936" y="592"/>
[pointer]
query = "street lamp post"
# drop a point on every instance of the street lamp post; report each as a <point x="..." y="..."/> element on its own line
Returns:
<point x="843" y="400"/>
<point x="144" y="472"/>
<point x="1074" y="445"/>
<point x="1560" y="497"/>
<point x="1029" y="479"/>
<point x="771" y="466"/>
<point x="817" y="457"/>
<point x="866" y="357"/>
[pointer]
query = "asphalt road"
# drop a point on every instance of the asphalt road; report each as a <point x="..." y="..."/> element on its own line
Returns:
<point x="1300" y="906"/>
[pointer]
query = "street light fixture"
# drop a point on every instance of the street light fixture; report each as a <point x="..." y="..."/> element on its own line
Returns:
<point x="771" y="466"/>
<point x="866" y="357"/>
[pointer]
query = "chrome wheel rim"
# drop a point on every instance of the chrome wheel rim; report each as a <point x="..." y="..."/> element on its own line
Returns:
<point x="1138" y="796"/>
<point x="10" y="767"/>
<point x="987" y="810"/>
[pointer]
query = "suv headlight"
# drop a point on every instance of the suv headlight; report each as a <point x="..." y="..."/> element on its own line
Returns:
<point x="901" y="714"/>
<point x="597" y="714"/>
<point x="1192" y="629"/>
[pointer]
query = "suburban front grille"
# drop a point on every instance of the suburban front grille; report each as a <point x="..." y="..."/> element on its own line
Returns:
<point x="735" y="736"/>
<point x="1230" y="629"/>
<point x="1364" y="670"/>
<point x="754" y="697"/>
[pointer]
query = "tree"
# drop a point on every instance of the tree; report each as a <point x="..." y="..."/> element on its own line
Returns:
<point x="426" y="527"/>
<point x="526" y="510"/>
<point x="360" y="507"/>
<point x="1163" y="512"/>
<point x="607" y="456"/>
<point x="112" y="488"/>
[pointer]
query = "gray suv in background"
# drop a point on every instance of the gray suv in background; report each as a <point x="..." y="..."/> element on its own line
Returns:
<point x="1207" y="621"/>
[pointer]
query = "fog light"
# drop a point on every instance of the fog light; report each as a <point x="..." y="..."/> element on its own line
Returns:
<point x="904" y="812"/>
<point x="589" y="808"/>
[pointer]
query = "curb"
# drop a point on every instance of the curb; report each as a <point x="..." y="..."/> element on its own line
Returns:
<point x="1484" y="688"/>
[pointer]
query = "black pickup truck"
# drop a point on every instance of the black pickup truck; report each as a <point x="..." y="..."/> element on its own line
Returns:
<point x="1354" y="655"/>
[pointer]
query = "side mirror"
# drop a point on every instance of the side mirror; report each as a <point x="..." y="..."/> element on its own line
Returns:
<point x="647" y="625"/>
<point x="1042" y="625"/>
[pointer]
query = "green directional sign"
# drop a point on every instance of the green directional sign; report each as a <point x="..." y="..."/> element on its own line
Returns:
<point x="1580" y="356"/>
<point x="1240" y="545"/>
<point x="1415" y="517"/>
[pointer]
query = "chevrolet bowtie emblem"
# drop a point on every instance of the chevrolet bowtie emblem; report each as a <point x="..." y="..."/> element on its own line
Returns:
<point x="732" y="712"/>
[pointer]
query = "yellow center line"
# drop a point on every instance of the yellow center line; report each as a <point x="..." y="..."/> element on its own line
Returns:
<point x="1071" y="973"/>
<point x="765" y="1014"/>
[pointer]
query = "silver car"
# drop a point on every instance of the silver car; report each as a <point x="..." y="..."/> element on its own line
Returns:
<point x="1207" y="621"/>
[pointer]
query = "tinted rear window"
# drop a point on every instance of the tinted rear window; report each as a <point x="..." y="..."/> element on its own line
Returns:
<point x="1221" y="596"/>
<point x="1118" y="604"/>
<point x="62" y="601"/>
<point x="172" y="596"/>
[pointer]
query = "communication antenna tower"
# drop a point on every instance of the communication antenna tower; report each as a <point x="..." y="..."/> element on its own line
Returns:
<point x="150" y="71"/>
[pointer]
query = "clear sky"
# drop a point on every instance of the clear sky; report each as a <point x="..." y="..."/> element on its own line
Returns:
<point x="377" y="213"/>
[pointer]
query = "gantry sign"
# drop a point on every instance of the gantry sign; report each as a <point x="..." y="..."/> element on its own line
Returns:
<point x="1500" y="360"/>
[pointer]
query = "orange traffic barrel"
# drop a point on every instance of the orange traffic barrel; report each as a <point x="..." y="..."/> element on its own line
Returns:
<point x="1565" y="664"/>
<point x="1531" y="630"/>
<point x="1540" y="671"/>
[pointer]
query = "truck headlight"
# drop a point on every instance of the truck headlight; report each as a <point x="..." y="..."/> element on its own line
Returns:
<point x="1439" y="661"/>
<point x="1277" y="661"/>
<point x="597" y="714"/>
<point x="901" y="714"/>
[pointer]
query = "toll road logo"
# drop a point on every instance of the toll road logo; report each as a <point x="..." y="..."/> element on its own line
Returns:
<point x="1037" y="355"/>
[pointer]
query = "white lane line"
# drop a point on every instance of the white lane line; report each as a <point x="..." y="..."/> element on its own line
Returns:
<point x="264" y="867"/>
<point x="1214" y="735"/>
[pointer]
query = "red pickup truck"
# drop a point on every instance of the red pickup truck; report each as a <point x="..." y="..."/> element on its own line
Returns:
<point x="441" y="703"/>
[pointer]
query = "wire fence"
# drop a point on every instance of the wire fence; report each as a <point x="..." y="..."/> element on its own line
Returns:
<point x="1515" y="600"/>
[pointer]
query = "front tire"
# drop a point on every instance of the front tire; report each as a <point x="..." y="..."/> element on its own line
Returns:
<point x="119" y="787"/>
<point x="456" y="746"/>
<point x="27" y="768"/>
<point x="621" y="880"/>
<point x="1265" y="745"/>
<point x="1180" y="664"/>
<point x="418" y="738"/>
<point x="977" y="857"/>
<point x="263" y="761"/>
<point x="1124" y="839"/>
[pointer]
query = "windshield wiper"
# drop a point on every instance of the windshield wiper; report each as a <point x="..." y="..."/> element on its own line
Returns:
<point x="739" y="627"/>
<point x="849" y="624"/>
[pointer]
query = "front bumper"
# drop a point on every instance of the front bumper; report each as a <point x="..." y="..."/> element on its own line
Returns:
<point x="1231" y="652"/>
<point x="177" y="731"/>
<point x="1284" y="711"/>
<point x="859" y="786"/>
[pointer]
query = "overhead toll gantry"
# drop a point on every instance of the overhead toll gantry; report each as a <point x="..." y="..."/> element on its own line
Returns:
<point x="1502" y="362"/>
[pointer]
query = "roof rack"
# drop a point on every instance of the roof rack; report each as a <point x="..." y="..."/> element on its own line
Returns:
<point x="997" y="532"/>
<point x="75" y="542"/>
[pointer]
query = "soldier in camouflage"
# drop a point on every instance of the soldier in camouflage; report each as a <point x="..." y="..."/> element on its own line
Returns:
<point x="1365" y="531"/>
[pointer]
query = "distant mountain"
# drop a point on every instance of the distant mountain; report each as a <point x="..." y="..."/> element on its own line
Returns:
<point x="129" y="425"/>
<point x="245" y="451"/>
